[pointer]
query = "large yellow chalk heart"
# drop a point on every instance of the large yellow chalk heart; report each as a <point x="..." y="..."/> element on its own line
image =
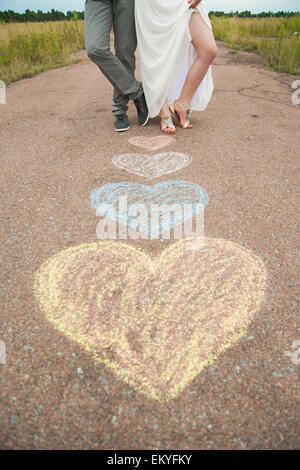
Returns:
<point x="155" y="323"/>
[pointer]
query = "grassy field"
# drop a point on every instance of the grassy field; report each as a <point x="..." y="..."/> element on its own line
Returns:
<point x="273" y="38"/>
<point x="30" y="48"/>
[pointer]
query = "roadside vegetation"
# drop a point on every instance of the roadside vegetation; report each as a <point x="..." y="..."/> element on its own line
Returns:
<point x="29" y="46"/>
<point x="277" y="40"/>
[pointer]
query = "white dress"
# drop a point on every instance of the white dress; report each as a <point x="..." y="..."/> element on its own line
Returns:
<point x="166" y="52"/>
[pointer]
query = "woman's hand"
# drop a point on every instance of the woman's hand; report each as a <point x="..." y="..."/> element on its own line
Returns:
<point x="194" y="3"/>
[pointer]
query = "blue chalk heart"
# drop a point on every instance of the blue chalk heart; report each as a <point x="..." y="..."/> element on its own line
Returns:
<point x="168" y="192"/>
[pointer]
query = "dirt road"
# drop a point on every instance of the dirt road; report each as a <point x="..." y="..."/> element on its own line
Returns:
<point x="72" y="379"/>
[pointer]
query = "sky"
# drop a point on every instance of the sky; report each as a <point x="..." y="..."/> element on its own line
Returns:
<point x="255" y="6"/>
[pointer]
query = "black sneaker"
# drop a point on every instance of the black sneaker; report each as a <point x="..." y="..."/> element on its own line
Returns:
<point x="122" y="123"/>
<point x="142" y="110"/>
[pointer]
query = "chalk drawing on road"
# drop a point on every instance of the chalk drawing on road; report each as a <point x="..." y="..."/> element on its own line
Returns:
<point x="152" y="166"/>
<point x="155" y="322"/>
<point x="152" y="143"/>
<point x="168" y="193"/>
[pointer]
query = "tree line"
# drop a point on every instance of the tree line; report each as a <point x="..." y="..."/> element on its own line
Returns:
<point x="10" y="16"/>
<point x="248" y="14"/>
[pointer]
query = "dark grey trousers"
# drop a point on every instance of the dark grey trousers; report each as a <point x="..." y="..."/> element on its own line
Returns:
<point x="100" y="17"/>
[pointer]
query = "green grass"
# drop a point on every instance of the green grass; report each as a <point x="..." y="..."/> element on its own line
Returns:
<point x="31" y="48"/>
<point x="273" y="38"/>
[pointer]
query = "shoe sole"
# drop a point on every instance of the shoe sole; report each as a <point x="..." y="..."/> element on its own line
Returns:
<point x="122" y="130"/>
<point x="148" y="117"/>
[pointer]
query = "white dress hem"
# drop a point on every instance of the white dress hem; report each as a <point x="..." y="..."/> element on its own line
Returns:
<point x="167" y="53"/>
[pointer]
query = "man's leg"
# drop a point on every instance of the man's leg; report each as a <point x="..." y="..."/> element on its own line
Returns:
<point x="125" y="46"/>
<point x="98" y="23"/>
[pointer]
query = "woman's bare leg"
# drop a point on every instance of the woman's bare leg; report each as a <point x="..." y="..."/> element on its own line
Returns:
<point x="205" y="45"/>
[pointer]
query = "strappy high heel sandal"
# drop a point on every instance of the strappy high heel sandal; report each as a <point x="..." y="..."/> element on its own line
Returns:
<point x="187" y="124"/>
<point x="168" y="124"/>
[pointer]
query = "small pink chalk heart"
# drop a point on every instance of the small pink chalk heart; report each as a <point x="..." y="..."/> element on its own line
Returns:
<point x="152" y="143"/>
